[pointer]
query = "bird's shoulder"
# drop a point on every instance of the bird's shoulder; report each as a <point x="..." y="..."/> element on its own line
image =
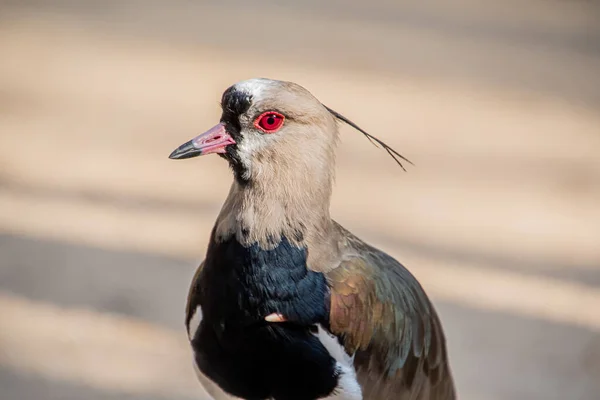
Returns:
<point x="386" y="320"/>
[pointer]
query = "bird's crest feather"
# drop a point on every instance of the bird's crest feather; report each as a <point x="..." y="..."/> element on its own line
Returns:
<point x="377" y="142"/>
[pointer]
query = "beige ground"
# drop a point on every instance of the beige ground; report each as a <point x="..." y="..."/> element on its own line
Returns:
<point x="499" y="108"/>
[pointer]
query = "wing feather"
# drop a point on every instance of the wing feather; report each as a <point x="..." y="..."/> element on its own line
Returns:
<point x="192" y="299"/>
<point x="383" y="316"/>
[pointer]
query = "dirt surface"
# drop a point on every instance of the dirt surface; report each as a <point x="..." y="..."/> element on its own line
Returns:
<point x="497" y="103"/>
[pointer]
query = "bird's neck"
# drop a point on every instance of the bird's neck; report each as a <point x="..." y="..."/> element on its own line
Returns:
<point x="266" y="211"/>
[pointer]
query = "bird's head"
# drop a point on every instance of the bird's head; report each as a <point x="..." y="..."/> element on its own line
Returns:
<point x="280" y="142"/>
<point x="267" y="125"/>
<point x="271" y="127"/>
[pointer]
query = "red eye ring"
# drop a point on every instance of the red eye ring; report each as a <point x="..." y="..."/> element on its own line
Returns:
<point x="269" y="122"/>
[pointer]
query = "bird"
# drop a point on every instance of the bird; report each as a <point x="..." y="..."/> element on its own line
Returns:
<point x="287" y="303"/>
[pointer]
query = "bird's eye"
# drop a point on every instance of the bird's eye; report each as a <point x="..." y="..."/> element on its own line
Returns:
<point x="269" y="122"/>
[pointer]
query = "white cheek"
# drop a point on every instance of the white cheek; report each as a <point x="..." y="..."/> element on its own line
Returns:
<point x="348" y="387"/>
<point x="249" y="146"/>
<point x="195" y="322"/>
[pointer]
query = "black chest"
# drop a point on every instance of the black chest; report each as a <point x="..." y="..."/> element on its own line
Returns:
<point x="237" y="348"/>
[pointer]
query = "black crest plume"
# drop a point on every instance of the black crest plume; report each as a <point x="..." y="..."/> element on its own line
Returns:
<point x="377" y="142"/>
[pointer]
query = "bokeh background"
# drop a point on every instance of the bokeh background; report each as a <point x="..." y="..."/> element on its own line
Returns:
<point x="496" y="102"/>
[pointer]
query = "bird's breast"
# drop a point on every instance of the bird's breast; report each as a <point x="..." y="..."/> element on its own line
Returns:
<point x="235" y="347"/>
<point x="240" y="285"/>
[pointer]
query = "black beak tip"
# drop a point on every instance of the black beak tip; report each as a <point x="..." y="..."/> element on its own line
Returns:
<point x="186" y="150"/>
<point x="174" y="155"/>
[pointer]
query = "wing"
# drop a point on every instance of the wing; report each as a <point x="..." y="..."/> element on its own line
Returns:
<point x="193" y="313"/>
<point x="386" y="320"/>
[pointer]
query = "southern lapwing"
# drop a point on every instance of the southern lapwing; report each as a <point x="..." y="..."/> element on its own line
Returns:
<point x="287" y="304"/>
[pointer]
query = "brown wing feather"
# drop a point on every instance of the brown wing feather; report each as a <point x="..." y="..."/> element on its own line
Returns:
<point x="386" y="320"/>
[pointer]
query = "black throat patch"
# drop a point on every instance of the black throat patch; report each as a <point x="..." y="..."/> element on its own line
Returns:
<point x="234" y="103"/>
<point x="237" y="348"/>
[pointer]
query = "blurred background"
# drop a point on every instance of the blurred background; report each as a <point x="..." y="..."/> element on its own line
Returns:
<point x="496" y="102"/>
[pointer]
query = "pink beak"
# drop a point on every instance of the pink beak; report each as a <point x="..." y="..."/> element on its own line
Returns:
<point x="215" y="140"/>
